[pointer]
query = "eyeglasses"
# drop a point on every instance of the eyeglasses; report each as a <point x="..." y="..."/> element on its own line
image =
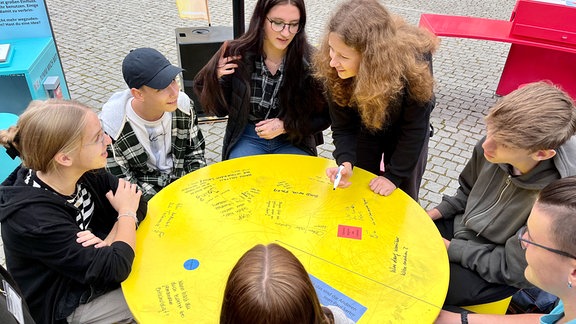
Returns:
<point x="278" y="26"/>
<point x="524" y="243"/>
<point x="99" y="139"/>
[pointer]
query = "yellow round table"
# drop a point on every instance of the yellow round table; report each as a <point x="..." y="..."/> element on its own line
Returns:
<point x="380" y="259"/>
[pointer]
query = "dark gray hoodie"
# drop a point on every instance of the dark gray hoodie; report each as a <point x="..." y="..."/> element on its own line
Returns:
<point x="489" y="208"/>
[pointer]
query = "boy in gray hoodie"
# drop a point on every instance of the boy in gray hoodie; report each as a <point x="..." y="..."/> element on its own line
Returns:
<point x="529" y="143"/>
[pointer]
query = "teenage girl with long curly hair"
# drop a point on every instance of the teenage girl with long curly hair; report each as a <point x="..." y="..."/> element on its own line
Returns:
<point x="377" y="71"/>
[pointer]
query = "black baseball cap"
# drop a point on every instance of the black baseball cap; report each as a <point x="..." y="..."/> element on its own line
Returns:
<point x="148" y="67"/>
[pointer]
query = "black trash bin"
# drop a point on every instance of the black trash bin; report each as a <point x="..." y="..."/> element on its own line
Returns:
<point x="196" y="46"/>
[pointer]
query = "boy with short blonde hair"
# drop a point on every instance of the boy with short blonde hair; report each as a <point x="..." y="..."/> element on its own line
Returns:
<point x="530" y="142"/>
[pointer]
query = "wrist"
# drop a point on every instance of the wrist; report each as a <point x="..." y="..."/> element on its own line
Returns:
<point x="464" y="317"/>
<point x="435" y="214"/>
<point x="347" y="165"/>
<point x="128" y="214"/>
<point x="281" y="126"/>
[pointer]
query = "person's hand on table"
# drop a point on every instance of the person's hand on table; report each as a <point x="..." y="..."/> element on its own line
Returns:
<point x="87" y="238"/>
<point x="434" y="213"/>
<point x="225" y="66"/>
<point x="382" y="186"/>
<point x="345" y="175"/>
<point x="270" y="128"/>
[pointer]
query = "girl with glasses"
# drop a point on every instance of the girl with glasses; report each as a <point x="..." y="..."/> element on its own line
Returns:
<point x="262" y="81"/>
<point x="378" y="72"/>
<point x="69" y="227"/>
<point x="549" y="239"/>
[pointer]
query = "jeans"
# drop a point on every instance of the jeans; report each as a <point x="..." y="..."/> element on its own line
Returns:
<point x="251" y="144"/>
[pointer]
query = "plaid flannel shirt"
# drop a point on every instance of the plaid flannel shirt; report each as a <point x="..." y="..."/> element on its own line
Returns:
<point x="127" y="157"/>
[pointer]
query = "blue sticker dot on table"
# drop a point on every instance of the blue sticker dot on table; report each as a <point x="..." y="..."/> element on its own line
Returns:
<point x="191" y="264"/>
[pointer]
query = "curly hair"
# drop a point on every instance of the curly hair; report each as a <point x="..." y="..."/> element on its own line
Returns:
<point x="393" y="60"/>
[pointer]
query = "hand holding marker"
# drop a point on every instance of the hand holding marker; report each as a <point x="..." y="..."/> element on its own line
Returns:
<point x="338" y="176"/>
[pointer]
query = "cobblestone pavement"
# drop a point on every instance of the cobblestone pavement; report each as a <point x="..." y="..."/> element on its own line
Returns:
<point x="94" y="36"/>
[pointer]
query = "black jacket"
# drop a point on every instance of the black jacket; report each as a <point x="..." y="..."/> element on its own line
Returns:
<point x="237" y="91"/>
<point x="401" y="139"/>
<point x="55" y="273"/>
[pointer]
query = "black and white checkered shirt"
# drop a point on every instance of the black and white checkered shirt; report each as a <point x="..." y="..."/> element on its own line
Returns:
<point x="264" y="99"/>
<point x="81" y="199"/>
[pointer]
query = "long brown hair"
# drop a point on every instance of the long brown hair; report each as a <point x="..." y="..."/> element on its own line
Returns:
<point x="269" y="285"/>
<point x="297" y="99"/>
<point x="44" y="129"/>
<point x="393" y="60"/>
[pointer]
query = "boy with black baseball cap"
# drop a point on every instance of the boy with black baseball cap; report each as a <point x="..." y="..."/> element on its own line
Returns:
<point x="154" y="130"/>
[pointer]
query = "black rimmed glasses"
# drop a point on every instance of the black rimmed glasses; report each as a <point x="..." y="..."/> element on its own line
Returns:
<point x="524" y="243"/>
<point x="278" y="26"/>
